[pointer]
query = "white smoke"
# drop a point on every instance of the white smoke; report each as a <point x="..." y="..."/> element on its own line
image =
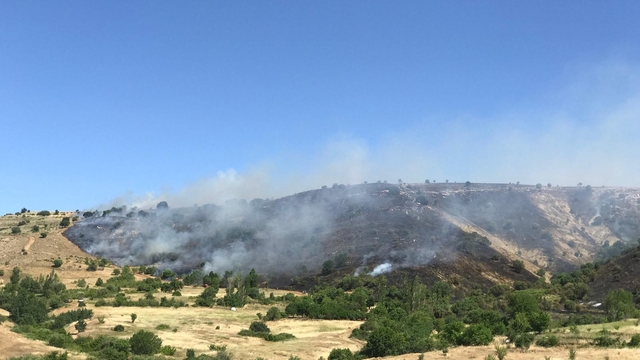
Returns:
<point x="381" y="269"/>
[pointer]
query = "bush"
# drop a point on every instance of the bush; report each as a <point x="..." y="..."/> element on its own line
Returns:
<point x="548" y="341"/>
<point x="327" y="267"/>
<point x="267" y="336"/>
<point x="133" y="318"/>
<point x="118" y="328"/>
<point x="57" y="263"/>
<point x="43" y="235"/>
<point x="15" y="230"/>
<point x="65" y="222"/>
<point x="518" y="266"/>
<point x="635" y="341"/>
<point x="44" y="213"/>
<point x="35" y="228"/>
<point x="60" y="341"/>
<point x="81" y="326"/>
<point x="259" y="327"/>
<point x="99" y="282"/>
<point x="476" y="335"/>
<point x="604" y="339"/>
<point x="273" y="314"/>
<point x="145" y="343"/>
<point x="1" y="272"/>
<point x="168" y="350"/>
<point x="341" y="354"/>
<point x="163" y="327"/>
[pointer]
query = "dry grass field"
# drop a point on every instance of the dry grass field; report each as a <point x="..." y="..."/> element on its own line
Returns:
<point x="194" y="327"/>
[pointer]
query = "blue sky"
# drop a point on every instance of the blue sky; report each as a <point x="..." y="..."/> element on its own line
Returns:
<point x="139" y="100"/>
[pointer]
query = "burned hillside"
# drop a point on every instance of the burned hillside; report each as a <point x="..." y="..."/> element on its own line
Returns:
<point x="473" y="231"/>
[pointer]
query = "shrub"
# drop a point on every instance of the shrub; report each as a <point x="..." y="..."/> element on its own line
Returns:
<point x="35" y="228"/>
<point x="101" y="319"/>
<point x="259" y="327"/>
<point x="99" y="282"/>
<point x="145" y="343"/>
<point x="518" y="266"/>
<point x="327" y="267"/>
<point x="81" y="326"/>
<point x="43" y="235"/>
<point x="168" y="350"/>
<point x="273" y="314"/>
<point x="475" y="335"/>
<point x="133" y="318"/>
<point x="341" y="354"/>
<point x="548" y="341"/>
<point x="65" y="222"/>
<point x="44" y="213"/>
<point x="635" y="341"/>
<point x="57" y="263"/>
<point x="60" y="340"/>
<point x="1" y="272"/>
<point x="118" y="328"/>
<point x="604" y="339"/>
<point x="267" y="336"/>
<point x="163" y="327"/>
<point x="82" y="283"/>
<point x="93" y="266"/>
<point x="214" y="347"/>
<point x="15" y="230"/>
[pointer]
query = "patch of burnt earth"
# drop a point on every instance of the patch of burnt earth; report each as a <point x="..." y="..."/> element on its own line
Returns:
<point x="618" y="273"/>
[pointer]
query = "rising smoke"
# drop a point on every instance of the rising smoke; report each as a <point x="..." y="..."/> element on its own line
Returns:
<point x="591" y="144"/>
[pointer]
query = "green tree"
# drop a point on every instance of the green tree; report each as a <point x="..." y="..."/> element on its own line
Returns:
<point x="383" y="341"/>
<point x="341" y="354"/>
<point x="57" y="263"/>
<point x="81" y="326"/>
<point x="273" y="314"/>
<point x="518" y="266"/>
<point x="327" y="267"/>
<point x="15" y="275"/>
<point x="26" y="309"/>
<point x="65" y="222"/>
<point x="133" y="318"/>
<point x="99" y="282"/>
<point x="539" y="321"/>
<point x="259" y="327"/>
<point x="476" y="335"/>
<point x="251" y="280"/>
<point x="619" y="304"/>
<point x="145" y="343"/>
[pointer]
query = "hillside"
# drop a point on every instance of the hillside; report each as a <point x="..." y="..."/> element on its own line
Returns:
<point x="471" y="233"/>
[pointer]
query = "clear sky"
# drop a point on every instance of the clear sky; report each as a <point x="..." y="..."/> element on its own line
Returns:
<point x="126" y="99"/>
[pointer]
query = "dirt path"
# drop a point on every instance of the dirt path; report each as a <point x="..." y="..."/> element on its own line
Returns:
<point x="26" y="248"/>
